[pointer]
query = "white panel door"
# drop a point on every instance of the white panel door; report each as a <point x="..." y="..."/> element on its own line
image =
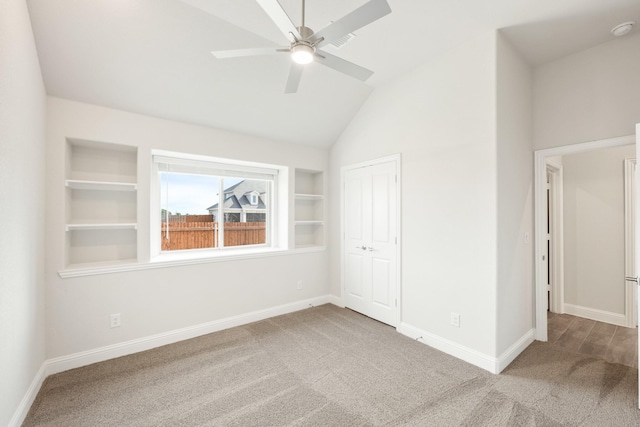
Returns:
<point x="370" y="240"/>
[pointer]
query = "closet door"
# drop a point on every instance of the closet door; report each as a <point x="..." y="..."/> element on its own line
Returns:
<point x="370" y="240"/>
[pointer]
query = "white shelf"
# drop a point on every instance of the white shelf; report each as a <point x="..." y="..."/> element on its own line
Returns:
<point x="79" y="184"/>
<point x="84" y="269"/>
<point x="309" y="197"/>
<point x="110" y="226"/>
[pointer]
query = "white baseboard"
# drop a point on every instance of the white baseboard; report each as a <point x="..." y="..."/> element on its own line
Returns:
<point x="72" y="361"/>
<point x="595" y="314"/>
<point x="467" y="354"/>
<point x="514" y="351"/>
<point x="336" y="300"/>
<point x="23" y="408"/>
<point x="77" y="360"/>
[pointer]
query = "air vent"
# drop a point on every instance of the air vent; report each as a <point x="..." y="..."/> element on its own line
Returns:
<point x="342" y="40"/>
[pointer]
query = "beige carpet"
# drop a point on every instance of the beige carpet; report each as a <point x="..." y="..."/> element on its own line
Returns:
<point x="328" y="366"/>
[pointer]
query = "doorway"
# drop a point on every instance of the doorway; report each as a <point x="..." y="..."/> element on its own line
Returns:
<point x="542" y="160"/>
<point x="371" y="238"/>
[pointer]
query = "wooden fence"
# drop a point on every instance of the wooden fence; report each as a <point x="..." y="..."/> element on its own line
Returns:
<point x="190" y="218"/>
<point x="196" y="235"/>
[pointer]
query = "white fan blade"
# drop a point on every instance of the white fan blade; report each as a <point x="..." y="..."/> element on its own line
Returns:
<point x="364" y="15"/>
<point x="280" y="18"/>
<point x="343" y="66"/>
<point x="294" y="78"/>
<point x="223" y="54"/>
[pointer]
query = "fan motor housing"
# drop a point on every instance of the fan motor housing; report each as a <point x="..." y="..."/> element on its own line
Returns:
<point x="305" y="32"/>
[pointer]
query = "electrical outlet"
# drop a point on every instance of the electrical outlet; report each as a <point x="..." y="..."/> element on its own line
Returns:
<point x="115" y="320"/>
<point x="455" y="319"/>
<point x="299" y="285"/>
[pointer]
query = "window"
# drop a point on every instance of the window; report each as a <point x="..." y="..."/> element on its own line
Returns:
<point x="256" y="217"/>
<point x="191" y="214"/>
<point x="231" y="217"/>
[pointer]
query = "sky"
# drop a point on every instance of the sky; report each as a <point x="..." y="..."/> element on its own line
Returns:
<point x="190" y="194"/>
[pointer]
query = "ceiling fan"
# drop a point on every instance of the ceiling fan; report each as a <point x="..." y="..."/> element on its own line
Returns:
<point x="305" y="45"/>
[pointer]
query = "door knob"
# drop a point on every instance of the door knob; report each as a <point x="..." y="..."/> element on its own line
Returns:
<point x="370" y="249"/>
<point x="632" y="279"/>
<point x="363" y="247"/>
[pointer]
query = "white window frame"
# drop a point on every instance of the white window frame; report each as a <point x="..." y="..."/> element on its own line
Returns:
<point x="277" y="201"/>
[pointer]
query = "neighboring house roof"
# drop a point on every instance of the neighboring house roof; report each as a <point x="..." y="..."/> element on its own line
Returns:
<point x="237" y="197"/>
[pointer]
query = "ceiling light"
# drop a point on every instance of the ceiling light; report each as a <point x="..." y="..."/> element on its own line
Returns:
<point x="302" y="53"/>
<point x="622" y="29"/>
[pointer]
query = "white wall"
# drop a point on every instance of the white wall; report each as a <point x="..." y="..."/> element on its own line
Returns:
<point x="441" y="118"/>
<point x="591" y="95"/>
<point x="515" y="197"/>
<point x="160" y="300"/>
<point x="22" y="111"/>
<point x="594" y="229"/>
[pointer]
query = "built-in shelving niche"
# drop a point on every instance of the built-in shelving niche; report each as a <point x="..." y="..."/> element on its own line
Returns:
<point x="309" y="208"/>
<point x="101" y="204"/>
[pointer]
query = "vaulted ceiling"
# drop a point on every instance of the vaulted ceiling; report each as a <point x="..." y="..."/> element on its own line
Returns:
<point x="153" y="56"/>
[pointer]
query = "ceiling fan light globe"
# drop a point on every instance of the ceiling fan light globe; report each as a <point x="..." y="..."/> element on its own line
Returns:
<point x="302" y="54"/>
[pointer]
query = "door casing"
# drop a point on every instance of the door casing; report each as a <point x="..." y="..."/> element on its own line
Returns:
<point x="557" y="241"/>
<point x="631" y="288"/>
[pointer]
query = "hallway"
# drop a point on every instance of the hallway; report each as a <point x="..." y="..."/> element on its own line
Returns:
<point x="615" y="344"/>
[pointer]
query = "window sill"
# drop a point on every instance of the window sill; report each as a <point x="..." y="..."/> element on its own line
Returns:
<point x="212" y="255"/>
<point x="168" y="260"/>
